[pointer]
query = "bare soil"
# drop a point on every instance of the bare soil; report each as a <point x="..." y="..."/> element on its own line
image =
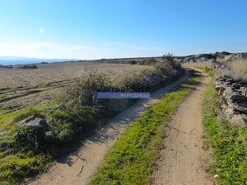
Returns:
<point x="79" y="167"/>
<point x="61" y="71"/>
<point x="20" y="88"/>
<point x="183" y="161"/>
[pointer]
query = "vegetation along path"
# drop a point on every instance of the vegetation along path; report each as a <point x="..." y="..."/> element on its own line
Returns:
<point x="81" y="166"/>
<point x="182" y="160"/>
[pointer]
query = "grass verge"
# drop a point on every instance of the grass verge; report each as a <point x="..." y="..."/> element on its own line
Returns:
<point x="229" y="143"/>
<point x="133" y="158"/>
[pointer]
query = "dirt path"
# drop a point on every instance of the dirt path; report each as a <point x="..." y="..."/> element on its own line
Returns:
<point x="182" y="161"/>
<point x="79" y="167"/>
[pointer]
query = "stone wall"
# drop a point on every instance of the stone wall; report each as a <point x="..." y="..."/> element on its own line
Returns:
<point x="233" y="99"/>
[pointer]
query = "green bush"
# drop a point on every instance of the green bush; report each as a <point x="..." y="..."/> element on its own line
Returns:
<point x="168" y="67"/>
<point x="86" y="88"/>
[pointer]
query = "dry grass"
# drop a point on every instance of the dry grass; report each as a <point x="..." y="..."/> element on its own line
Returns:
<point x="46" y="73"/>
<point x="50" y="80"/>
<point x="239" y="70"/>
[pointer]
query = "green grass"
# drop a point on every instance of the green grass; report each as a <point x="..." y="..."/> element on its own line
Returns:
<point x="14" y="167"/>
<point x="229" y="144"/>
<point x="133" y="158"/>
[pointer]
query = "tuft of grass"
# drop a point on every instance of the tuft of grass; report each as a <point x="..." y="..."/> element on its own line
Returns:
<point x="229" y="143"/>
<point x="133" y="158"/>
<point x="13" y="168"/>
<point x="239" y="70"/>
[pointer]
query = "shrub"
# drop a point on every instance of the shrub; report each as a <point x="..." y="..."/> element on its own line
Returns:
<point x="135" y="81"/>
<point x="86" y="88"/>
<point x="150" y="61"/>
<point x="168" y="67"/>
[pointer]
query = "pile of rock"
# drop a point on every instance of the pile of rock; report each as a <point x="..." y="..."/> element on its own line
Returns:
<point x="37" y="128"/>
<point x="233" y="97"/>
<point x="153" y="79"/>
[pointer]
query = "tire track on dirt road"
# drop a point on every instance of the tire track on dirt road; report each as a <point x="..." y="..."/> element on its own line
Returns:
<point x="183" y="161"/>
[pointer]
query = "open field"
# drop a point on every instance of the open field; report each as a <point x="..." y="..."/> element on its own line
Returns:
<point x="48" y="73"/>
<point x="20" y="88"/>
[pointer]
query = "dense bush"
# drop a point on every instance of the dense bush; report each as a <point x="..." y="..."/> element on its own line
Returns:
<point x="150" y="61"/>
<point x="168" y="67"/>
<point x="86" y="88"/>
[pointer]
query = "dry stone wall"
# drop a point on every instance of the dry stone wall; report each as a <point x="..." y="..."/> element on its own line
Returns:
<point x="233" y="99"/>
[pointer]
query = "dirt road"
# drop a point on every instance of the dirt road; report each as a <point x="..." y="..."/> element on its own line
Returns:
<point x="182" y="161"/>
<point x="79" y="167"/>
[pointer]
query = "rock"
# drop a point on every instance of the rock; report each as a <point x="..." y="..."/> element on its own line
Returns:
<point x="227" y="94"/>
<point x="32" y="129"/>
<point x="229" y="112"/>
<point x="153" y="79"/>
<point x="236" y="86"/>
<point x="233" y="99"/>
<point x="34" y="122"/>
<point x="243" y="91"/>
<point x="241" y="107"/>
<point x="237" y="120"/>
<point x="237" y="96"/>
<point x="244" y="117"/>
<point x="229" y="80"/>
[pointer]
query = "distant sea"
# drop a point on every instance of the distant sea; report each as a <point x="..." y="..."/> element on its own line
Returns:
<point x="17" y="62"/>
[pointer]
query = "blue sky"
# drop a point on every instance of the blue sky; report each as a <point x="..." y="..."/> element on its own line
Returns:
<point x="89" y="29"/>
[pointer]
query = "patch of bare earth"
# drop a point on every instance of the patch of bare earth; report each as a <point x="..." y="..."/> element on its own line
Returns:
<point x="79" y="167"/>
<point x="183" y="161"/>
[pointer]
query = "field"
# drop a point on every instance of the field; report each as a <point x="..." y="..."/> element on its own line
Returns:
<point x="238" y="69"/>
<point x="20" y="88"/>
<point x="59" y="99"/>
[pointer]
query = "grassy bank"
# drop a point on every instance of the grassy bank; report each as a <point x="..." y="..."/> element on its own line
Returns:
<point x="229" y="144"/>
<point x="132" y="160"/>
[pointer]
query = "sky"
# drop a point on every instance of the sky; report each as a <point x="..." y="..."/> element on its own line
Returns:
<point x="92" y="29"/>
